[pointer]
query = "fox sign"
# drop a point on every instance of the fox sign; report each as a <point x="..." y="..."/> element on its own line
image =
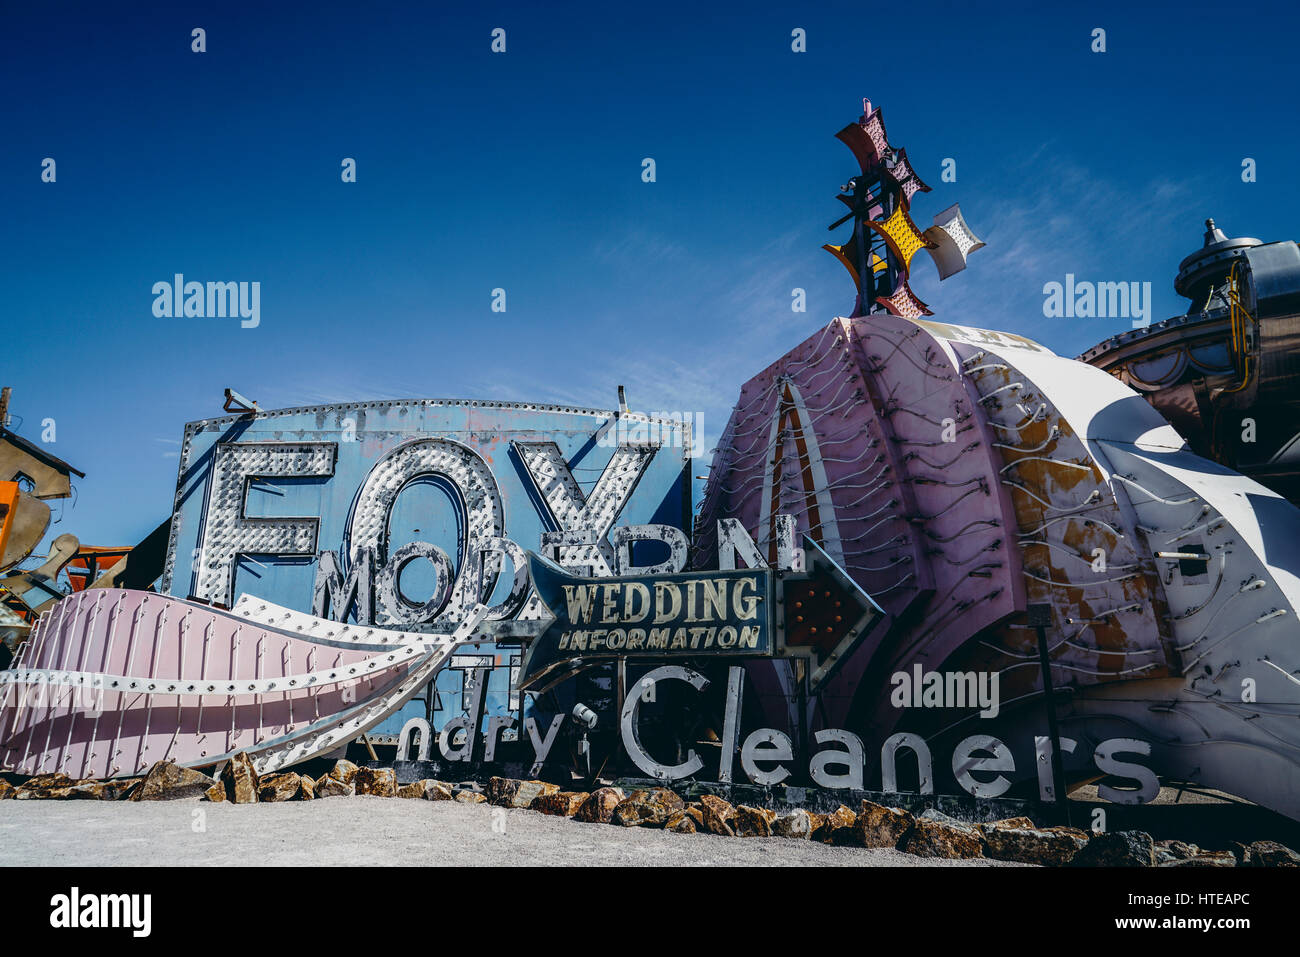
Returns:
<point x="406" y="513"/>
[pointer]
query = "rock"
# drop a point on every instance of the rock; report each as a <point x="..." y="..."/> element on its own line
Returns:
<point x="117" y="789"/>
<point x="425" y="789"/>
<point x="240" y="780"/>
<point x="306" y="788"/>
<point x="630" y="813"/>
<point x="43" y="782"/>
<point x="680" y="823"/>
<point x="560" y="803"/>
<point x="380" y="782"/>
<point x="327" y="786"/>
<point x="509" y="792"/>
<point x="168" y="781"/>
<point x="753" y="821"/>
<point x="718" y="806"/>
<point x="92" y="790"/>
<point x="713" y="824"/>
<point x="650" y="808"/>
<point x="48" y="794"/>
<point x="6" y="790"/>
<point x="599" y="807"/>
<point x="1047" y="846"/>
<point x="1021" y="822"/>
<point x="24" y="794"/>
<point x="934" y="814"/>
<point x="130" y="786"/>
<point x="216" y="794"/>
<point x="436" y="790"/>
<point x="466" y="796"/>
<point x="344" y="771"/>
<point x="44" y="787"/>
<point x="279" y="787"/>
<point x="876" y="826"/>
<point x="696" y="813"/>
<point x="716" y="816"/>
<point x="1169" y="851"/>
<point x="1205" y="859"/>
<point x="828" y="824"/>
<point x="1117" y="849"/>
<point x="797" y="824"/>
<point x="1270" y="854"/>
<point x="936" y="835"/>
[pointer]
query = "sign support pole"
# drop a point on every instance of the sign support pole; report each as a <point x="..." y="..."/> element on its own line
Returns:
<point x="1039" y="617"/>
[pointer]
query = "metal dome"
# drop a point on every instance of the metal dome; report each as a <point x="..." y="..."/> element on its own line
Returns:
<point x="1206" y="268"/>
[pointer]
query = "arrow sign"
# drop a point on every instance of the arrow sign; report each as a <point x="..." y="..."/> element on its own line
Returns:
<point x="686" y="615"/>
<point x="825" y="614"/>
<point x="817" y="614"/>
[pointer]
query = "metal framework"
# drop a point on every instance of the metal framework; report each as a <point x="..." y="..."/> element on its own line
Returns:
<point x="885" y="240"/>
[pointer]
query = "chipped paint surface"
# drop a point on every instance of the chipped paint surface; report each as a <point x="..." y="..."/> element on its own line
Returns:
<point x="443" y="493"/>
<point x="513" y="470"/>
<point x="113" y="681"/>
<point x="964" y="475"/>
<point x="957" y="475"/>
<point x="911" y="515"/>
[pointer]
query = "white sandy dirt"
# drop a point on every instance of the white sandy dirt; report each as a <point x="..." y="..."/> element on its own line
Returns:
<point x="371" y="831"/>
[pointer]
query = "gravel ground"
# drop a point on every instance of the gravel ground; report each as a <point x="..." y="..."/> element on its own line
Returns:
<point x="380" y="832"/>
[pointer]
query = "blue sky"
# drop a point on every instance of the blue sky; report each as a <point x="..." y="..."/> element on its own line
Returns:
<point x="522" y="171"/>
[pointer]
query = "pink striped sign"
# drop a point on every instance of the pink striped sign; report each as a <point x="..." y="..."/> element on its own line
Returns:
<point x="112" y="681"/>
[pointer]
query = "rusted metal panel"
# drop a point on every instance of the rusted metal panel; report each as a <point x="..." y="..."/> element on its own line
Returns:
<point x="51" y="477"/>
<point x="1170" y="581"/>
<point x="23" y="521"/>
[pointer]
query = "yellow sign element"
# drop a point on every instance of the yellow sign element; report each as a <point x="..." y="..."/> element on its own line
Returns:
<point x="902" y="236"/>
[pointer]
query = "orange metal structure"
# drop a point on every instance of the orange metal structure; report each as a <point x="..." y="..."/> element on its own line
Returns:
<point x="8" y="505"/>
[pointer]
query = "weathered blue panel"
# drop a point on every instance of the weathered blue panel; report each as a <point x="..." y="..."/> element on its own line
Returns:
<point x="340" y="476"/>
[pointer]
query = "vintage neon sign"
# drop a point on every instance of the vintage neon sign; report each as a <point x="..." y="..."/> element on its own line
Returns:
<point x="981" y="763"/>
<point x="810" y="610"/>
<point x="344" y="475"/>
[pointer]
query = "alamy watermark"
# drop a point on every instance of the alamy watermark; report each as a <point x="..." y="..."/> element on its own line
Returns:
<point x="661" y="429"/>
<point x="214" y="300"/>
<point x="75" y="910"/>
<point x="946" y="689"/>
<point x="1084" y="299"/>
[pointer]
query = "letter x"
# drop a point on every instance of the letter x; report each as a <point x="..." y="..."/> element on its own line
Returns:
<point x="572" y="511"/>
